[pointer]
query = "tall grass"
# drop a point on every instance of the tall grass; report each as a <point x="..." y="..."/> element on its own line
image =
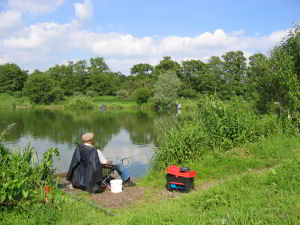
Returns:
<point x="12" y="101"/>
<point x="22" y="174"/>
<point x="80" y="103"/>
<point x="216" y="125"/>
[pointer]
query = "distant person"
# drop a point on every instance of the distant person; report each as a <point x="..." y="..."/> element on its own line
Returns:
<point x="93" y="159"/>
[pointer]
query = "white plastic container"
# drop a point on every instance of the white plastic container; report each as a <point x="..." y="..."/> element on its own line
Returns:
<point x="116" y="185"/>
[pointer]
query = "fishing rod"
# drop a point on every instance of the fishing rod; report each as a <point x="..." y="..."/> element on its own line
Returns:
<point x="128" y="157"/>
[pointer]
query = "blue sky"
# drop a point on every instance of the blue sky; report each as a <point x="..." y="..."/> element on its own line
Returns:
<point x="37" y="34"/>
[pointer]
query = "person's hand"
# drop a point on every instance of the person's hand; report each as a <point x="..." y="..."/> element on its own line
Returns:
<point x="109" y="162"/>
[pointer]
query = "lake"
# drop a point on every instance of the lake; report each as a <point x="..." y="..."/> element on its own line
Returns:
<point x="120" y="133"/>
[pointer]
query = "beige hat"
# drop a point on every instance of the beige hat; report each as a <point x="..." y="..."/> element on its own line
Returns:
<point x="87" y="137"/>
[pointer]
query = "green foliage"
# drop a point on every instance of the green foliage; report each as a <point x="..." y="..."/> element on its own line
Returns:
<point x="81" y="103"/>
<point x="279" y="88"/>
<point x="183" y="142"/>
<point x="227" y="125"/>
<point x="142" y="95"/>
<point x="56" y="95"/>
<point x="167" y="64"/>
<point x="141" y="69"/>
<point x="215" y="126"/>
<point x="104" y="83"/>
<point x="122" y="93"/>
<point x="21" y="174"/>
<point x="90" y="93"/>
<point x="12" y="78"/>
<point x="41" y="89"/>
<point x="18" y="94"/>
<point x="97" y="65"/>
<point x="165" y="90"/>
<point x="187" y="93"/>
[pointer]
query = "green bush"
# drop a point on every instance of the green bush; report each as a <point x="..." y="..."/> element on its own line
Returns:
<point x="142" y="95"/>
<point x="165" y="90"/>
<point x="215" y="126"/>
<point x="56" y="95"/>
<point x="82" y="103"/>
<point x="78" y="94"/>
<point x="187" y="93"/>
<point x="41" y="89"/>
<point x="22" y="175"/>
<point x="91" y="93"/>
<point x="122" y="93"/>
<point x="182" y="143"/>
<point x="18" y="94"/>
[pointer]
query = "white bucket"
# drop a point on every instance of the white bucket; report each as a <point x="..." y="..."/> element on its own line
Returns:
<point x="116" y="185"/>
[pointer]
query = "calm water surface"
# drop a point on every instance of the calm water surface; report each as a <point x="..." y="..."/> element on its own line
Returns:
<point x="121" y="134"/>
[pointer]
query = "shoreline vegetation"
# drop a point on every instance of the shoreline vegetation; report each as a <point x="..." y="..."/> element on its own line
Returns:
<point x="108" y="102"/>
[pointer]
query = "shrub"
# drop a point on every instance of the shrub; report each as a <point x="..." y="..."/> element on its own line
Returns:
<point x="226" y="125"/>
<point x="187" y="93"/>
<point x="56" y="95"/>
<point x="81" y="103"/>
<point x="91" y="93"/>
<point x="142" y="95"/>
<point x="21" y="174"/>
<point x="182" y="143"/>
<point x="78" y="94"/>
<point x="165" y="90"/>
<point x="215" y="125"/>
<point x="122" y="93"/>
<point x="38" y="88"/>
<point x="18" y="94"/>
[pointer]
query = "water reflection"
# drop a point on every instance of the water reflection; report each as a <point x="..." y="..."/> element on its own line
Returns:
<point x="121" y="134"/>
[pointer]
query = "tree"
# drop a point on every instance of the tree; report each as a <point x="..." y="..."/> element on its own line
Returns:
<point x="41" y="89"/>
<point x="80" y="70"/>
<point x="256" y="70"/>
<point x="165" y="90"/>
<point x="280" y="84"/>
<point x="12" y="78"/>
<point x="167" y="64"/>
<point x="142" y="69"/>
<point x="142" y="95"/>
<point x="97" y="65"/>
<point x="235" y="72"/>
<point x="104" y="83"/>
<point x="65" y="79"/>
<point x="191" y="70"/>
<point x="214" y="81"/>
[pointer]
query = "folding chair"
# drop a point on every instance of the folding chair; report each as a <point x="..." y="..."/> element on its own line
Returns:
<point x="106" y="174"/>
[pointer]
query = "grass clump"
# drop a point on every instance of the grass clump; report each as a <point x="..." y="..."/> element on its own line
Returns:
<point x="216" y="125"/>
<point x="22" y="175"/>
<point x="80" y="103"/>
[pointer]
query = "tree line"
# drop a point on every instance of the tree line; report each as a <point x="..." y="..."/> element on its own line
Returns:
<point x="272" y="78"/>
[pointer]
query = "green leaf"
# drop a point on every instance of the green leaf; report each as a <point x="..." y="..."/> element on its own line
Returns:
<point x="25" y="193"/>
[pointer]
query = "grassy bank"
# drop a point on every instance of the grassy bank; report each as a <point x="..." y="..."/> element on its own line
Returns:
<point x="248" y="194"/>
<point x="8" y="101"/>
<point x="110" y="102"/>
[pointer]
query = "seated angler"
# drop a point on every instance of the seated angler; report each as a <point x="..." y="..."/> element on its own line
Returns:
<point x="88" y="154"/>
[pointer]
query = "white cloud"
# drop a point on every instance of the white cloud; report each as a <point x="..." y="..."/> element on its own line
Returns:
<point x="43" y="45"/>
<point x="9" y="19"/>
<point x="34" y="6"/>
<point x="83" y="10"/>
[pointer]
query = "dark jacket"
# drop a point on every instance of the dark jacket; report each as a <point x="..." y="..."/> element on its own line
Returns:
<point x="85" y="170"/>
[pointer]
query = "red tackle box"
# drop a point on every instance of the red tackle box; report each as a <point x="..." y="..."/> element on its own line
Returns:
<point x="180" y="180"/>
